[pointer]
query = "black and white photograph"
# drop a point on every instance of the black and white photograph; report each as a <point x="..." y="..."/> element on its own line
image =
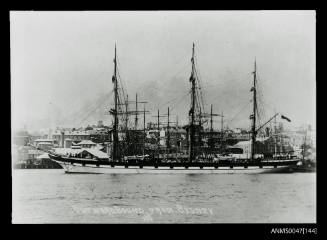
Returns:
<point x="153" y="117"/>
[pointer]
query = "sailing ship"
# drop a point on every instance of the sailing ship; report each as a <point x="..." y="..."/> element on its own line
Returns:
<point x="195" y="160"/>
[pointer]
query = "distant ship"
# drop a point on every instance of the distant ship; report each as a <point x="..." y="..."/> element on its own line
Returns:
<point x="195" y="161"/>
<point x="305" y="164"/>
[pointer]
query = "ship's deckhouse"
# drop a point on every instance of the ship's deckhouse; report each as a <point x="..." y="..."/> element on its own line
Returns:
<point x="87" y="153"/>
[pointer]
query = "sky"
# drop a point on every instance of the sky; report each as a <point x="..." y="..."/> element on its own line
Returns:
<point x="62" y="64"/>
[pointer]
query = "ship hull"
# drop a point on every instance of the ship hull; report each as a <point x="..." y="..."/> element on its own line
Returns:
<point x="166" y="170"/>
<point x="71" y="166"/>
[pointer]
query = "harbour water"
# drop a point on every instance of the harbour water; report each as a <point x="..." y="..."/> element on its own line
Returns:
<point x="51" y="196"/>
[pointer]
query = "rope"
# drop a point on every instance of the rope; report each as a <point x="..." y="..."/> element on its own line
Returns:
<point x="93" y="110"/>
<point x="200" y="84"/>
<point x="81" y="109"/>
<point x="228" y="122"/>
<point x="174" y="99"/>
<point x="84" y="110"/>
<point x="180" y="101"/>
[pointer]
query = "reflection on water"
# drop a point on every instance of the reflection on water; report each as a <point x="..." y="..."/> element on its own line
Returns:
<point x="50" y="196"/>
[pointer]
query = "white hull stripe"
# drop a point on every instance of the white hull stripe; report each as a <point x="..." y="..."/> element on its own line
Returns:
<point x="78" y="168"/>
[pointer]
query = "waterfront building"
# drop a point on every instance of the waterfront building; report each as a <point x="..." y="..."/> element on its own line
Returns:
<point x="68" y="142"/>
<point x="33" y="153"/>
<point x="75" y="136"/>
<point x="86" y="144"/>
<point x="44" y="144"/>
<point x="99" y="134"/>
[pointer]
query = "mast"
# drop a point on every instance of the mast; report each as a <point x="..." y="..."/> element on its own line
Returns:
<point x="168" y="134"/>
<point x="304" y="146"/>
<point x="253" y="131"/>
<point x="199" y="144"/>
<point x="115" y="127"/>
<point x="136" y="118"/>
<point x="126" y="108"/>
<point x="281" y="144"/>
<point x="211" y="130"/>
<point x="275" y="137"/>
<point x="222" y="121"/>
<point x="222" y="132"/>
<point x="158" y="136"/>
<point x="144" y="137"/>
<point x="127" y="133"/>
<point x="177" y="136"/>
<point x="191" y="112"/>
<point x="211" y="120"/>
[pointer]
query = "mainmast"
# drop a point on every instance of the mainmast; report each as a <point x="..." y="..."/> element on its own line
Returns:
<point x="115" y="127"/>
<point x="192" y="110"/>
<point x="253" y="116"/>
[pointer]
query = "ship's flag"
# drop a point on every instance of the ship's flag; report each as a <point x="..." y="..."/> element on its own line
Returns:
<point x="286" y="118"/>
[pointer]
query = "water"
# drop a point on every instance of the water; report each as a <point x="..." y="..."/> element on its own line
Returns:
<point x="51" y="196"/>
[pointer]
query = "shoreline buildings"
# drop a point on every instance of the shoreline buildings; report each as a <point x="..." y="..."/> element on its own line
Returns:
<point x="99" y="139"/>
